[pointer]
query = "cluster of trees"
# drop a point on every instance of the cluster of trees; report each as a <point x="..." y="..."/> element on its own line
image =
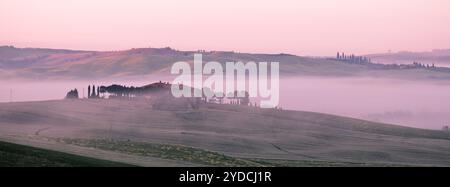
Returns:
<point x="420" y="65"/>
<point x="93" y="94"/>
<point x="119" y="91"/>
<point x="352" y="58"/>
<point x="72" y="94"/>
<point x="367" y="61"/>
<point x="445" y="128"/>
<point x="414" y="65"/>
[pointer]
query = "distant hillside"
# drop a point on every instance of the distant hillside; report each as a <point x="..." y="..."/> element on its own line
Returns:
<point x="439" y="57"/>
<point x="34" y="63"/>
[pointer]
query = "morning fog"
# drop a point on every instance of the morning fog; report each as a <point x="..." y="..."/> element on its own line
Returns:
<point x="249" y="79"/>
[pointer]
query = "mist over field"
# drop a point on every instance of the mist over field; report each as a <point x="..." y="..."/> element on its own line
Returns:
<point x="418" y="104"/>
<point x="421" y="104"/>
<point x="404" y="95"/>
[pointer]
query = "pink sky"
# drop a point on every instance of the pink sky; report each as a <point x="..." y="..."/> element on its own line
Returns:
<point x="303" y="27"/>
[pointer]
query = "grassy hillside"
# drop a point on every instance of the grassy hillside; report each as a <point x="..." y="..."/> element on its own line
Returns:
<point x="235" y="132"/>
<point x="29" y="63"/>
<point x="14" y="155"/>
<point x="202" y="157"/>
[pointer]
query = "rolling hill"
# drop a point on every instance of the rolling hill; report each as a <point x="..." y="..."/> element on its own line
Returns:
<point x="35" y="63"/>
<point x="134" y="132"/>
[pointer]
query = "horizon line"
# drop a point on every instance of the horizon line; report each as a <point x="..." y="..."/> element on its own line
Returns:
<point x="209" y="50"/>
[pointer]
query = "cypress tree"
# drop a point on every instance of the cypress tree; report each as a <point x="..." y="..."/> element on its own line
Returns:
<point x="93" y="91"/>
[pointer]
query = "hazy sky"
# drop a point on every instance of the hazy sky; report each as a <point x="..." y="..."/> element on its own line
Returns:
<point x="304" y="27"/>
